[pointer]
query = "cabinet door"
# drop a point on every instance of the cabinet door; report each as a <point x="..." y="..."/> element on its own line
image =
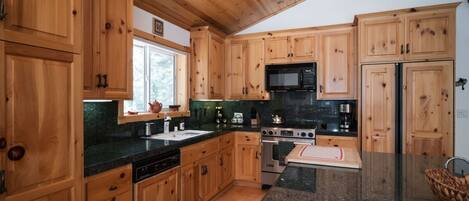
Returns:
<point x="188" y="183"/>
<point x="428" y="108"/>
<point x="115" y="26"/>
<point x="336" y="70"/>
<point x="381" y="39"/>
<point x="277" y="50"/>
<point x="303" y="48"/>
<point x="41" y="121"/>
<point x="336" y="141"/>
<point x="248" y="163"/>
<point x="164" y="186"/>
<point x="378" y="111"/>
<point x="216" y="67"/>
<point x="235" y="74"/>
<point x="91" y="50"/>
<point x="430" y="35"/>
<point x="209" y="172"/>
<point x="54" y="24"/>
<point x="227" y="159"/>
<point x="255" y="70"/>
<point x="199" y="65"/>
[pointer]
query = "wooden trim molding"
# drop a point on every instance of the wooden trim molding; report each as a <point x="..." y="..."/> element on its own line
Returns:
<point x="161" y="41"/>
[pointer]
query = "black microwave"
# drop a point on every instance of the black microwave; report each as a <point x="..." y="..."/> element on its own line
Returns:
<point x="291" y="77"/>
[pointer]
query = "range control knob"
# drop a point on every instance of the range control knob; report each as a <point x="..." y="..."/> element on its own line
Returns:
<point x="303" y="134"/>
<point x="310" y="135"/>
<point x="271" y="133"/>
<point x="264" y="132"/>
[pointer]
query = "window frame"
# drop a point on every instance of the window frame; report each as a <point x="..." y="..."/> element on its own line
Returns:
<point x="181" y="89"/>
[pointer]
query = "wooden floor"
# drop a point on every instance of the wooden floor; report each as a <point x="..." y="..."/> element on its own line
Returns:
<point x="239" y="193"/>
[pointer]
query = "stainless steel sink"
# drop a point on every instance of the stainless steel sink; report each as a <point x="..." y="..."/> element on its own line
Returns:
<point x="178" y="135"/>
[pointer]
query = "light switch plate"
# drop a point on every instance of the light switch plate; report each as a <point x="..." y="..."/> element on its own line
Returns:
<point x="462" y="113"/>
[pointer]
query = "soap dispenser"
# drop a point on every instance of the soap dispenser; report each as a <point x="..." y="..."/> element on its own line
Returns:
<point x="167" y="120"/>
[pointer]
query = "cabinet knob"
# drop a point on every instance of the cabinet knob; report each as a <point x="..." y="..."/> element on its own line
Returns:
<point x="108" y="25"/>
<point x="3" y="143"/>
<point x="16" y="153"/>
<point x="407" y="47"/>
<point x="3" y="13"/>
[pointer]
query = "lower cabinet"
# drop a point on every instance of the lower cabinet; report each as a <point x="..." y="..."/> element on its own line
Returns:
<point x="188" y="182"/>
<point x="115" y="185"/>
<point x="164" y="186"/>
<point x="227" y="162"/>
<point x="208" y="170"/>
<point x="248" y="157"/>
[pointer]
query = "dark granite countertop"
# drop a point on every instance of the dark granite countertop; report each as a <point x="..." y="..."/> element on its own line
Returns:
<point x="383" y="177"/>
<point x="102" y="157"/>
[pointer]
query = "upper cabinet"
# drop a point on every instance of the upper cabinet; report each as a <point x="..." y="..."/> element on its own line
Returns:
<point x="108" y="36"/>
<point x="53" y="24"/>
<point x="245" y="70"/>
<point x="291" y="49"/>
<point x="407" y="36"/>
<point x="336" y="72"/>
<point x="207" y="64"/>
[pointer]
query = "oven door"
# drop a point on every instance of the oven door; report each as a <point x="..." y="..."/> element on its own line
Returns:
<point x="278" y="78"/>
<point x="275" y="149"/>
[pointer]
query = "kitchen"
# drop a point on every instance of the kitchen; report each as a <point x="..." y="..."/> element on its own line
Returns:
<point x="203" y="100"/>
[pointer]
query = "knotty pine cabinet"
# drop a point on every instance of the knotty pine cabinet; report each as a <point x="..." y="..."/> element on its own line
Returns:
<point x="207" y="65"/>
<point x="248" y="157"/>
<point x="208" y="177"/>
<point x="378" y="107"/>
<point x="291" y="49"/>
<point x="53" y="24"/>
<point x="407" y="36"/>
<point x="227" y="160"/>
<point x="245" y="70"/>
<point x="188" y="182"/>
<point x="164" y="186"/>
<point x="108" y="43"/>
<point x="427" y="102"/>
<point x="337" y="71"/>
<point x="336" y="141"/>
<point x="115" y="184"/>
<point x="41" y="122"/>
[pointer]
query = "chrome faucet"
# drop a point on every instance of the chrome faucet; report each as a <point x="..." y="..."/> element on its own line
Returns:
<point x="148" y="129"/>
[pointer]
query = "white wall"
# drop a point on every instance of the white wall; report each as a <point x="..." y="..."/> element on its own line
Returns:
<point x="313" y="13"/>
<point x="143" y="20"/>
<point x="462" y="70"/>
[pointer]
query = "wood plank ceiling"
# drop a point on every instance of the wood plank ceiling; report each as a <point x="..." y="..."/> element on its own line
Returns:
<point x="229" y="16"/>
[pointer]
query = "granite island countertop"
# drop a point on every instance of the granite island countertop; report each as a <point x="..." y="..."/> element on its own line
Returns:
<point x="382" y="177"/>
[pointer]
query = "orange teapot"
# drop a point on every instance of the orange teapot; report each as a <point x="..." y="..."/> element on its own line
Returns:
<point x="155" y="107"/>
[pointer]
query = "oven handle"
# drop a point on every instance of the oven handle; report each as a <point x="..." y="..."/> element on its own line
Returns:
<point x="270" y="141"/>
<point x="303" y="143"/>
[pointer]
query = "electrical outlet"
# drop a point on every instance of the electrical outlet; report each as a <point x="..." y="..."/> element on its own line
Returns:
<point x="462" y="114"/>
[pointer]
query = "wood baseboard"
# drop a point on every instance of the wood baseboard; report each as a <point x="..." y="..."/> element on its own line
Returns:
<point x="247" y="184"/>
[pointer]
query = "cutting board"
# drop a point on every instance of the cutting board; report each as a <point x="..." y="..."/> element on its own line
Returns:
<point x="327" y="156"/>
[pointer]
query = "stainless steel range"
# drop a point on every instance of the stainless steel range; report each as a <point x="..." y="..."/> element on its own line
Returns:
<point x="277" y="142"/>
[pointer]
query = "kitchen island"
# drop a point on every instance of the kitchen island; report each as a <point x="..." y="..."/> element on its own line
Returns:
<point x="383" y="177"/>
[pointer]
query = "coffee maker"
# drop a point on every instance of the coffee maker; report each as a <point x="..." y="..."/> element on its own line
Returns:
<point x="346" y="116"/>
<point x="219" y="116"/>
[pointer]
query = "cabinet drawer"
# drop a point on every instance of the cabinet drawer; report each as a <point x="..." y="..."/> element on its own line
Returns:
<point x="227" y="140"/>
<point x="198" y="151"/>
<point x="109" y="184"/>
<point x="336" y="141"/>
<point x="248" y="138"/>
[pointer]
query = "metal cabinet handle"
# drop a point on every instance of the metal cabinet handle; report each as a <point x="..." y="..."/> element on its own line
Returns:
<point x="402" y="49"/>
<point x="3" y="13"/>
<point x="99" y="85"/>
<point x="112" y="188"/>
<point x="221" y="161"/>
<point x="105" y="81"/>
<point x="407" y="48"/>
<point x="16" y="153"/>
<point x="320" y="88"/>
<point x="257" y="155"/>
<point x="204" y="170"/>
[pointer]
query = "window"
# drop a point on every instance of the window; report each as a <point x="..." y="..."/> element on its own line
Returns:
<point x="154" y="76"/>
